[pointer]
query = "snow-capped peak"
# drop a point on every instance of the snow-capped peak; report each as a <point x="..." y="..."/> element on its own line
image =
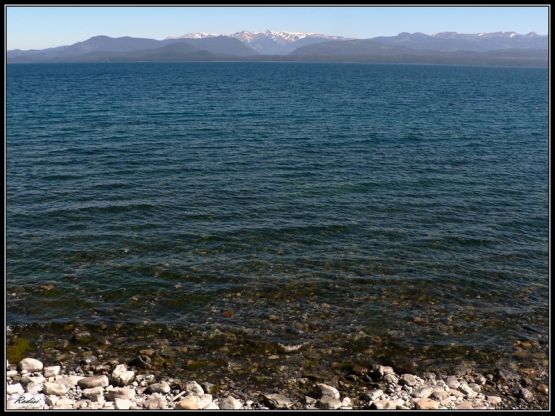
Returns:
<point x="198" y="35"/>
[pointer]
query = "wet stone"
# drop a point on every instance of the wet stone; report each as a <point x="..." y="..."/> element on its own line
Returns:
<point x="526" y="394"/>
<point x="408" y="379"/>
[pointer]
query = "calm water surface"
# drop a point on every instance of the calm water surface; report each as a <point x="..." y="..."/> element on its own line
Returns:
<point x="301" y="202"/>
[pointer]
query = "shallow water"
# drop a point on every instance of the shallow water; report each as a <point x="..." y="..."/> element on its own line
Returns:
<point x="301" y="202"/>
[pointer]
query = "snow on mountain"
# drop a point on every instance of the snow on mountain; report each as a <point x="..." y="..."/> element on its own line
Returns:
<point x="199" y="35"/>
<point x="270" y="42"/>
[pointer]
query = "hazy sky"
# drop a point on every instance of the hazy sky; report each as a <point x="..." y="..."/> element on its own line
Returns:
<point x="42" y="27"/>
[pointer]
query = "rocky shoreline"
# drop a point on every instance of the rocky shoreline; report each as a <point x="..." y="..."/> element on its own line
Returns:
<point x="112" y="385"/>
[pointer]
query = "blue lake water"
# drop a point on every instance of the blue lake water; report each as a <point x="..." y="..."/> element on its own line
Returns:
<point x="403" y="201"/>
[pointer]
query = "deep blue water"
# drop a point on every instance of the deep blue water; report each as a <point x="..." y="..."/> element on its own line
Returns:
<point x="362" y="196"/>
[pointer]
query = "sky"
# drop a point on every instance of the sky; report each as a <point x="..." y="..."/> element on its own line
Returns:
<point x="43" y="27"/>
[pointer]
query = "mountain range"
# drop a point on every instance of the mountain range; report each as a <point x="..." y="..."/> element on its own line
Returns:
<point x="499" y="48"/>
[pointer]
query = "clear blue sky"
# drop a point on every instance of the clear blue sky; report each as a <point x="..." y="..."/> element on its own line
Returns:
<point x="42" y="27"/>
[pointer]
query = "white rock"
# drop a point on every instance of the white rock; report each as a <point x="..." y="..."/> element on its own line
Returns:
<point x="328" y="391"/>
<point x="122" y="404"/>
<point x="31" y="365"/>
<point x="12" y="373"/>
<point x="52" y="371"/>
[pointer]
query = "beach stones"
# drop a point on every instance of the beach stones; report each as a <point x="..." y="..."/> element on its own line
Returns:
<point x="30" y="365"/>
<point x="328" y="402"/>
<point x="93" y="381"/>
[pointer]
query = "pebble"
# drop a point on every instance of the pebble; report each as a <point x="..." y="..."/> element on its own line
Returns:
<point x="526" y="394"/>
<point x="230" y="402"/>
<point x="190" y="402"/>
<point x="122" y="376"/>
<point x="58" y="389"/>
<point x="452" y="382"/>
<point x="94" y="381"/>
<point x="373" y="395"/>
<point x="95" y="394"/>
<point x="467" y="404"/>
<point x="52" y="371"/>
<point x="31" y="365"/>
<point x="468" y="392"/>
<point x="543" y="388"/>
<point x="328" y="391"/>
<point x="194" y="388"/>
<point x="408" y="379"/>
<point x="278" y="401"/>
<point x="155" y="402"/>
<point x="494" y="400"/>
<point x="121" y="392"/>
<point x="425" y="404"/>
<point x="161" y="387"/>
<point x="328" y="402"/>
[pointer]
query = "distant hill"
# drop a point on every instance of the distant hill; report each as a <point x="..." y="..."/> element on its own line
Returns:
<point x="502" y="48"/>
<point x="479" y="42"/>
<point x="104" y="47"/>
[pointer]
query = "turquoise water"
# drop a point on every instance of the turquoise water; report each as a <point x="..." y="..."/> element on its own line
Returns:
<point x="402" y="201"/>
